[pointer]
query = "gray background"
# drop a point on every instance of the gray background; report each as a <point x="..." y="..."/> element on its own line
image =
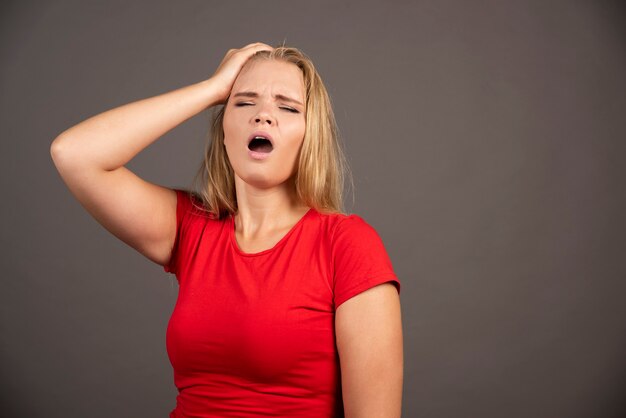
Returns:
<point x="487" y="144"/>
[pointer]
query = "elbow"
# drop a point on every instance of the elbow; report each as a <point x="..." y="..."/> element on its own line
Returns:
<point x="60" y="151"/>
<point x="55" y="148"/>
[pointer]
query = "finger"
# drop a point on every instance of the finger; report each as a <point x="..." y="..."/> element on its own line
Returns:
<point x="253" y="50"/>
<point x="258" y="45"/>
<point x="252" y="45"/>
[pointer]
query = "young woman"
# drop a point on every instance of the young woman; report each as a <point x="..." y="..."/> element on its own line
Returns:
<point x="287" y="306"/>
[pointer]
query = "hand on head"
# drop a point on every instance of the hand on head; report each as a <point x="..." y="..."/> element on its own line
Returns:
<point x="231" y="65"/>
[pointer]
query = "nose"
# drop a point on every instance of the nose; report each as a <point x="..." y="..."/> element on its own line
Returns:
<point x="263" y="116"/>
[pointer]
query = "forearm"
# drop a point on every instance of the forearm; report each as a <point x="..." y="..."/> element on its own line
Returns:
<point x="112" y="138"/>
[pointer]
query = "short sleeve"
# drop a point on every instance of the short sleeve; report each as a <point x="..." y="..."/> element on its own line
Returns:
<point x="360" y="259"/>
<point x="183" y="207"/>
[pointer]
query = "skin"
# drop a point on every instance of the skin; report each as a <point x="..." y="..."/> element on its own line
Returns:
<point x="267" y="204"/>
<point x="368" y="329"/>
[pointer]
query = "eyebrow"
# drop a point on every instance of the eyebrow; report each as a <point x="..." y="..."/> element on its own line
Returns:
<point x="276" y="96"/>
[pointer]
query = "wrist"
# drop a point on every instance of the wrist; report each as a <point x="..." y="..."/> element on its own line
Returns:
<point x="214" y="91"/>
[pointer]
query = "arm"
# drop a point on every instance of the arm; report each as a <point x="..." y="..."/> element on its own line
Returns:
<point x="369" y="340"/>
<point x="90" y="158"/>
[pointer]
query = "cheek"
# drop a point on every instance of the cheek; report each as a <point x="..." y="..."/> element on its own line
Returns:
<point x="301" y="133"/>
<point x="226" y="120"/>
<point x="229" y="128"/>
<point x="295" y="144"/>
<point x="297" y="130"/>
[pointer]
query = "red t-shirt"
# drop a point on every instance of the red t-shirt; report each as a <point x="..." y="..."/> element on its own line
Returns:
<point x="253" y="334"/>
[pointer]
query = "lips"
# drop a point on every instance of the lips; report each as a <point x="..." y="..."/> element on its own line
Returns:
<point x="260" y="141"/>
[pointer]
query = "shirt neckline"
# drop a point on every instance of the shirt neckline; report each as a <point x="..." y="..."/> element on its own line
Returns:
<point x="235" y="245"/>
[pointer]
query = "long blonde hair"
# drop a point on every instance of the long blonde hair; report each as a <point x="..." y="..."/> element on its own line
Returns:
<point x="321" y="166"/>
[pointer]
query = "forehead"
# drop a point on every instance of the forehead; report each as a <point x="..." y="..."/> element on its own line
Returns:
<point x="278" y="76"/>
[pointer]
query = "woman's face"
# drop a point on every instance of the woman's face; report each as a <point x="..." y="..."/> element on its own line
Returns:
<point x="260" y="103"/>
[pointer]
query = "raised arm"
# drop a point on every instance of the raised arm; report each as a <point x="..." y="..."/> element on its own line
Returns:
<point x="90" y="158"/>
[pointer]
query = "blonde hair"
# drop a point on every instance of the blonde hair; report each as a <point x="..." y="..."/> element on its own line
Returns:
<point x="321" y="165"/>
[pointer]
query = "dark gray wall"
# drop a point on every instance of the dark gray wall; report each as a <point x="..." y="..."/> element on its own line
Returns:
<point x="487" y="144"/>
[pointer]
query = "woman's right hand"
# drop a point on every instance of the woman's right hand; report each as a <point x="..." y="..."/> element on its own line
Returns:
<point x="231" y="65"/>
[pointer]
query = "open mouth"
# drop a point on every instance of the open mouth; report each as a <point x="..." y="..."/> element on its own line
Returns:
<point x="260" y="144"/>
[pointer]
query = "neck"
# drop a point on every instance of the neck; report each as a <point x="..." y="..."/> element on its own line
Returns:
<point x="263" y="211"/>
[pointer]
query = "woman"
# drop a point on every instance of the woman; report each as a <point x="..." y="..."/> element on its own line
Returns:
<point x="286" y="305"/>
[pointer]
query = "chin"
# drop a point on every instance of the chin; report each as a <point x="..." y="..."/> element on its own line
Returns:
<point x="262" y="180"/>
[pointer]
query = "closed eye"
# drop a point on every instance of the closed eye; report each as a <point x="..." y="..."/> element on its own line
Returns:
<point x="290" y="109"/>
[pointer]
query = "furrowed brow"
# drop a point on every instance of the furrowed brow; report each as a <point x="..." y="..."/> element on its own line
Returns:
<point x="255" y="95"/>
<point x="287" y="99"/>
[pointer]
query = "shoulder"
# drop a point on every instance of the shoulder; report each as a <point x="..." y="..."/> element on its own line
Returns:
<point x="346" y="228"/>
